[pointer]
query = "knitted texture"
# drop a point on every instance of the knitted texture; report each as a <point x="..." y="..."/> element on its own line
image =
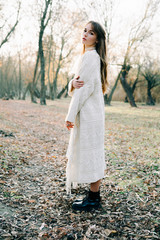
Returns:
<point x="86" y="160"/>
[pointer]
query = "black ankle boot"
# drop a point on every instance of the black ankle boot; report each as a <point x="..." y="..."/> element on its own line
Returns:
<point x="91" y="201"/>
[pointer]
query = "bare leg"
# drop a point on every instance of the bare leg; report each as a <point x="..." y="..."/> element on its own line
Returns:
<point x="94" y="187"/>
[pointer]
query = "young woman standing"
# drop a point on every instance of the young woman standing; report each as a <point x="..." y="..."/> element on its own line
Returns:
<point x="86" y="159"/>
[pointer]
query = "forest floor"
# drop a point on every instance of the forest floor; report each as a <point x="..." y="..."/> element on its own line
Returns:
<point x="33" y="201"/>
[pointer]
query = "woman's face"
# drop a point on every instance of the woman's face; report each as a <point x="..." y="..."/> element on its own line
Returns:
<point x="89" y="37"/>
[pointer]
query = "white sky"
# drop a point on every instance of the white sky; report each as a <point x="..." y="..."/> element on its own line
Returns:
<point x="27" y="31"/>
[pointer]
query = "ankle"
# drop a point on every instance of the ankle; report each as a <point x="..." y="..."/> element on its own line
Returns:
<point x="94" y="195"/>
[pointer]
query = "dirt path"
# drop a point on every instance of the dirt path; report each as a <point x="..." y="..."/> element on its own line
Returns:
<point x="33" y="200"/>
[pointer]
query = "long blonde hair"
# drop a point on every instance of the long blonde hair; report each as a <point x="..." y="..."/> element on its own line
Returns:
<point x="101" y="50"/>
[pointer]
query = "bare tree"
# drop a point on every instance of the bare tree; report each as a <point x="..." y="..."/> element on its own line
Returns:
<point x="20" y="76"/>
<point x="41" y="56"/>
<point x="125" y="84"/>
<point x="43" y="23"/>
<point x="108" y="97"/>
<point x="9" y="85"/>
<point x="61" y="60"/>
<point x="45" y="17"/>
<point x="138" y="33"/>
<point x="151" y="74"/>
<point x="59" y="49"/>
<point x="32" y="85"/>
<point x="50" y="57"/>
<point x="12" y="28"/>
<point x="64" y="89"/>
<point x="133" y="84"/>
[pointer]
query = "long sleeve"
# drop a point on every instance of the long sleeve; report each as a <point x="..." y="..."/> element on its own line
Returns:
<point x="74" y="72"/>
<point x="70" y="93"/>
<point x="89" y="70"/>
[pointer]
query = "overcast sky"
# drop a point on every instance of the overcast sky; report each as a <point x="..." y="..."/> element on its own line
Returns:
<point x="126" y="13"/>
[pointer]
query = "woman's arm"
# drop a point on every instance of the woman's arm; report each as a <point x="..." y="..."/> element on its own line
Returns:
<point x="74" y="83"/>
<point x="89" y="71"/>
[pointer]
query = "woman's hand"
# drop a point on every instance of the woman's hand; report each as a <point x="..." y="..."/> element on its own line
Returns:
<point x="69" y="125"/>
<point x="77" y="83"/>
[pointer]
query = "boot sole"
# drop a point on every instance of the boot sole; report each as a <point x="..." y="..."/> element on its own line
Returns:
<point x="87" y="209"/>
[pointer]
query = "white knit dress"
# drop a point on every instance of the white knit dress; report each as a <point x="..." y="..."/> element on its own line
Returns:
<point x="86" y="159"/>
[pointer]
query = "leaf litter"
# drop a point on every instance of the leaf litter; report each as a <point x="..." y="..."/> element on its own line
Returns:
<point x="33" y="200"/>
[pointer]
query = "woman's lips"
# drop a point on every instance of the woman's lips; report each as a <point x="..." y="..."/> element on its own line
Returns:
<point x="84" y="38"/>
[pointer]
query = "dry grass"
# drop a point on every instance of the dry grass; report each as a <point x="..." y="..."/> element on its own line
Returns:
<point x="34" y="204"/>
<point x="132" y="144"/>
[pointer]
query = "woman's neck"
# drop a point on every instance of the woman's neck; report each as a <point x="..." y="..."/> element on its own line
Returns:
<point x="90" y="48"/>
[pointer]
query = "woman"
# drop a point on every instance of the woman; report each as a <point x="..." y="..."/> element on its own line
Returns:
<point x="86" y="160"/>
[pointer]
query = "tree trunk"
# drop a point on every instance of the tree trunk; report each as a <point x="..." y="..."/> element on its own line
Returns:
<point x="50" y="83"/>
<point x="33" y="85"/>
<point x="54" y="88"/>
<point x="134" y="84"/>
<point x="20" y="79"/>
<point x="62" y="91"/>
<point x="49" y="65"/>
<point x="41" y="52"/>
<point x="30" y="87"/>
<point x="42" y="62"/>
<point x="49" y="60"/>
<point x="25" y="92"/>
<point x="125" y="85"/>
<point x="126" y="99"/>
<point x="108" y="99"/>
<point x="133" y="89"/>
<point x="150" y="100"/>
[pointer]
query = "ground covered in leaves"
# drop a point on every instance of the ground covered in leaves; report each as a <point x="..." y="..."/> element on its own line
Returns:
<point x="33" y="201"/>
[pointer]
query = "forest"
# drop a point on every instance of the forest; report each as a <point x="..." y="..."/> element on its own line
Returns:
<point x="43" y="71"/>
<point x="40" y="41"/>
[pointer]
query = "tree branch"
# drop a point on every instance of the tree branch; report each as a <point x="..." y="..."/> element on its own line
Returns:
<point x="12" y="29"/>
